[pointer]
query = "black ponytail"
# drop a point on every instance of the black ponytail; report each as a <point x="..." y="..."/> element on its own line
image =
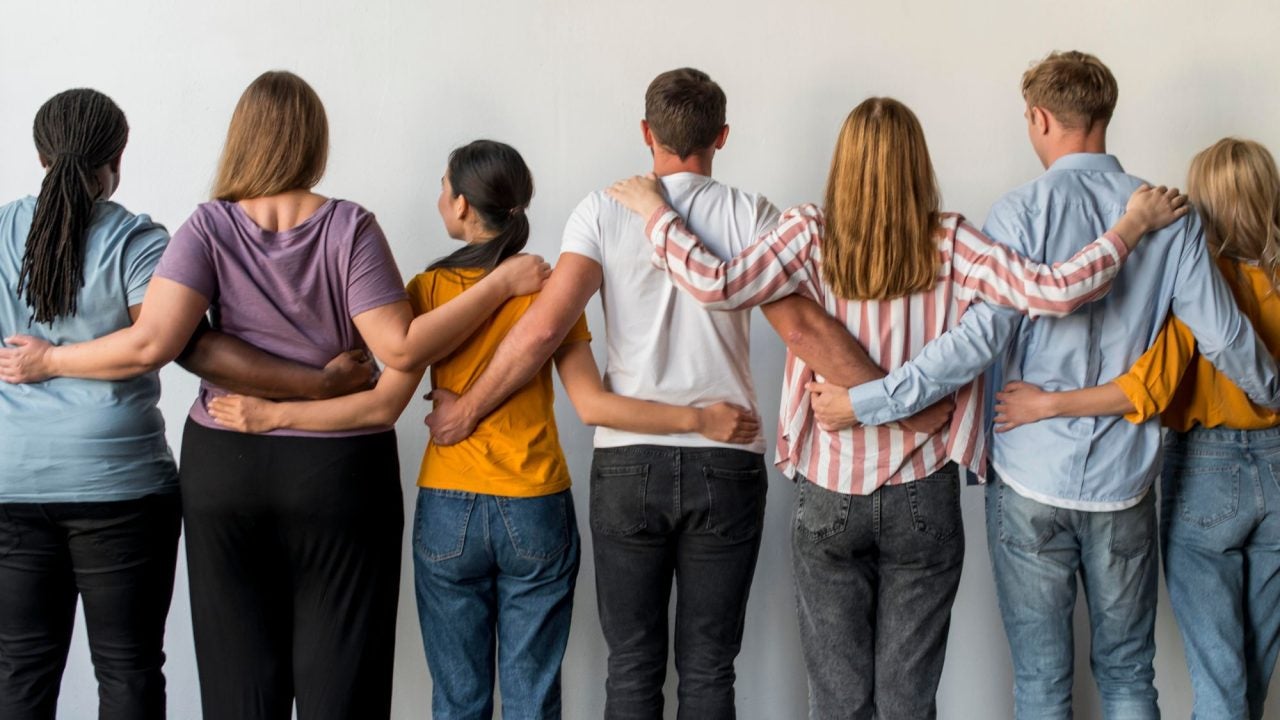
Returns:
<point x="498" y="185"/>
<point x="76" y="132"/>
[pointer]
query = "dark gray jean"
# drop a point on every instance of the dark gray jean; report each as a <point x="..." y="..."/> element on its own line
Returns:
<point x="875" y="579"/>
<point x="692" y="514"/>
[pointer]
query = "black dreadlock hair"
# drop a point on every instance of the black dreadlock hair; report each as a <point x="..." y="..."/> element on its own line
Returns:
<point x="76" y="132"/>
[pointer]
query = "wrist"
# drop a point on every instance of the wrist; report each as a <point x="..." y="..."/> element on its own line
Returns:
<point x="277" y="415"/>
<point x="1131" y="227"/>
<point x="693" y="420"/>
<point x="323" y="389"/>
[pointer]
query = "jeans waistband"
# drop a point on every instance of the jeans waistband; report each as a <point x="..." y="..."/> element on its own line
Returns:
<point x="1226" y="436"/>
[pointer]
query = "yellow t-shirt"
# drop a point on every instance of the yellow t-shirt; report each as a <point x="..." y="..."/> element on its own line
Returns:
<point x="1173" y="378"/>
<point x="515" y="451"/>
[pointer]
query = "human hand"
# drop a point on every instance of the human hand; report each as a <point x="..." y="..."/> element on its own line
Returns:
<point x="451" y="420"/>
<point x="728" y="423"/>
<point x="1150" y="209"/>
<point x="641" y="194"/>
<point x="1021" y="403"/>
<point x="522" y="274"/>
<point x="245" y="414"/>
<point x="348" y="372"/>
<point x="831" y="406"/>
<point x="932" y="419"/>
<point x="26" y="360"/>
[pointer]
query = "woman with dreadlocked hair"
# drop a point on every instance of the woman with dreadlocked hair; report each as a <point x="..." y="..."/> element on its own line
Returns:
<point x="293" y="537"/>
<point x="88" y="488"/>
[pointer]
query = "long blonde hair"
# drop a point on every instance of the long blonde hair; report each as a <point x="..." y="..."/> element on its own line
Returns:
<point x="278" y="139"/>
<point x="881" y="206"/>
<point x="1235" y="186"/>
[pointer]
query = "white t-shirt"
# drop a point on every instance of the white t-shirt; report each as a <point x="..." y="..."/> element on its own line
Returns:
<point x="664" y="346"/>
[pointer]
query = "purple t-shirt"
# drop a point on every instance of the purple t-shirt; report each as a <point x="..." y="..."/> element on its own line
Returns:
<point x="291" y="293"/>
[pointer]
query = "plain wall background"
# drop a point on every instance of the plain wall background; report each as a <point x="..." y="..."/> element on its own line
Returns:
<point x="405" y="81"/>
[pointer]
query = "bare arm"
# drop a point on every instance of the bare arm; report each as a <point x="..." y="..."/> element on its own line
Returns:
<point x="233" y="364"/>
<point x="168" y="316"/>
<point x="379" y="407"/>
<point x="1022" y="403"/>
<point x="407" y="343"/>
<point x="821" y="341"/>
<point x="722" y="422"/>
<point x="527" y="347"/>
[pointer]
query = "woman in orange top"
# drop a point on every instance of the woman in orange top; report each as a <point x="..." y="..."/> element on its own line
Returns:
<point x="1220" y="500"/>
<point x="495" y="539"/>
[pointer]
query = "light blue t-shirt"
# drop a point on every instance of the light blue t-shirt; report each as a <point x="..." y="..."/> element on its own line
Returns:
<point x="70" y="440"/>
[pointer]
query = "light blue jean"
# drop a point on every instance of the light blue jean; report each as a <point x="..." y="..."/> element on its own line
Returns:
<point x="1220" y="527"/>
<point x="495" y="578"/>
<point x="1037" y="551"/>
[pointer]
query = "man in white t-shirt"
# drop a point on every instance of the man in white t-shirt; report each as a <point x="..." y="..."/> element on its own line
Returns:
<point x="666" y="506"/>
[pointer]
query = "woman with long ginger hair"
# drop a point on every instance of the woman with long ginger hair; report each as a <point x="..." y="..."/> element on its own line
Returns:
<point x="293" y="538"/>
<point x="878" y="542"/>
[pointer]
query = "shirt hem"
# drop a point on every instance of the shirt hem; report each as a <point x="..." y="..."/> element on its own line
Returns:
<point x="1084" y="505"/>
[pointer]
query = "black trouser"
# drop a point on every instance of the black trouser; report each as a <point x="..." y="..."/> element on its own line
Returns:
<point x="692" y="513"/>
<point x="293" y="548"/>
<point x="117" y="556"/>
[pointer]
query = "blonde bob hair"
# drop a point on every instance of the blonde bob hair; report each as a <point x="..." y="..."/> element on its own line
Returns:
<point x="880" y="239"/>
<point x="278" y="140"/>
<point x="1234" y="185"/>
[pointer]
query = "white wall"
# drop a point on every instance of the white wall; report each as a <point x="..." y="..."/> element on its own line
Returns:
<point x="405" y="81"/>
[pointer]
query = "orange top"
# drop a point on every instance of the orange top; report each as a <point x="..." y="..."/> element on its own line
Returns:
<point x="1173" y="378"/>
<point x="515" y="451"/>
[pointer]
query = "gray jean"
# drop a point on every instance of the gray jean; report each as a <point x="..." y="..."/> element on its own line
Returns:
<point x="875" y="579"/>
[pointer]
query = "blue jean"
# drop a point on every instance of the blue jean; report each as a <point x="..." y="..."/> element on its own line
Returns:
<point x="1221" y="534"/>
<point x="693" y="515"/>
<point x="1036" y="552"/>
<point x="876" y="576"/>
<point x="495" y="576"/>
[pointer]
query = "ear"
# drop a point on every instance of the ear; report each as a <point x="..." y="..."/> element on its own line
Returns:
<point x="44" y="161"/>
<point x="722" y="137"/>
<point x="647" y="133"/>
<point x="461" y="208"/>
<point x="1040" y="119"/>
<point x="115" y="163"/>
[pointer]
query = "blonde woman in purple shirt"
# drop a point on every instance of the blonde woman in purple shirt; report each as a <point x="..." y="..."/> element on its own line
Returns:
<point x="293" y="538"/>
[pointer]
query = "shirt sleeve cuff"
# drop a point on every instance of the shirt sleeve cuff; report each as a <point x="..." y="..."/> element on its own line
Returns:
<point x="1137" y="394"/>
<point x="871" y="404"/>
<point x="1117" y="245"/>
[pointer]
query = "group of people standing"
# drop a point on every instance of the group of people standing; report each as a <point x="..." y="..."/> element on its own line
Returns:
<point x="288" y="488"/>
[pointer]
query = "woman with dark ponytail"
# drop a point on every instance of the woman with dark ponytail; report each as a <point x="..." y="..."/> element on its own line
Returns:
<point x="495" y="537"/>
<point x="88" y="488"/>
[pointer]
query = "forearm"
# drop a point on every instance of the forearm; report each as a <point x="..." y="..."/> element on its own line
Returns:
<point x="1096" y="401"/>
<point x="433" y="335"/>
<point x="237" y="366"/>
<point x="824" y="344"/>
<point x="379" y="407"/>
<point x="121" y="355"/>
<point x="632" y="415"/>
<point x="946" y="364"/>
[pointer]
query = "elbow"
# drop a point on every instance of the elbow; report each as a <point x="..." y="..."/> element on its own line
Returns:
<point x="152" y="356"/>
<point x="405" y="362"/>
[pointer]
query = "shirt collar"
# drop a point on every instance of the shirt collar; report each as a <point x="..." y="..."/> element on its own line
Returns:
<point x="1095" y="162"/>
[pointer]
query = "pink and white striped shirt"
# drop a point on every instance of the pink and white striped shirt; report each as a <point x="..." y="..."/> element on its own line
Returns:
<point x="972" y="267"/>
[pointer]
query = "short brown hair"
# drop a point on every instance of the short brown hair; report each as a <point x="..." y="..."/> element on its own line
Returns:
<point x="881" y="213"/>
<point x="1076" y="87"/>
<point x="685" y="110"/>
<point x="278" y="139"/>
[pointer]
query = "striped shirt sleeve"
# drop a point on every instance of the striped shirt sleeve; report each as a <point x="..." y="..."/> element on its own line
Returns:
<point x="780" y="263"/>
<point x="986" y="270"/>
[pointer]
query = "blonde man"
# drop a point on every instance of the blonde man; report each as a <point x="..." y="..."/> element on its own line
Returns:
<point x="1073" y="494"/>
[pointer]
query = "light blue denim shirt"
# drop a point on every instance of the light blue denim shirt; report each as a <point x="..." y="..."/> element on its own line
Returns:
<point x="1095" y="463"/>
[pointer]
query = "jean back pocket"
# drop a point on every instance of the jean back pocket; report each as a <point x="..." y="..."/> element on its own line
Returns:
<point x="618" y="496"/>
<point x="440" y="523"/>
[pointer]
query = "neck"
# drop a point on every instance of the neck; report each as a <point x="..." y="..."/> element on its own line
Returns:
<point x="284" y="211"/>
<point x="665" y="163"/>
<point x="1093" y="141"/>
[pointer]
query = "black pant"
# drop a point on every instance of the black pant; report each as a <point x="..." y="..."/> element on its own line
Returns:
<point x="692" y="513"/>
<point x="293" y="548"/>
<point x="119" y="557"/>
